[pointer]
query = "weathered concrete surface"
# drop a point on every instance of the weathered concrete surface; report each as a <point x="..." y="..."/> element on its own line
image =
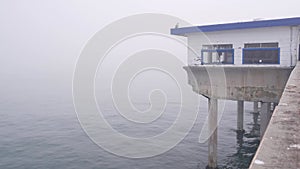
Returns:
<point x="240" y="115"/>
<point x="248" y="83"/>
<point x="213" y="139"/>
<point x="280" y="146"/>
<point x="255" y="107"/>
<point x="265" y="116"/>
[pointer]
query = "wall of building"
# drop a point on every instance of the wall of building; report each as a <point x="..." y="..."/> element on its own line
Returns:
<point x="287" y="37"/>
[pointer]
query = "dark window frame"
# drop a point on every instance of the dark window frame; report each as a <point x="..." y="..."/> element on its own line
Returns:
<point x="231" y="50"/>
<point x="261" y="49"/>
<point x="262" y="45"/>
<point x="217" y="48"/>
<point x="266" y="46"/>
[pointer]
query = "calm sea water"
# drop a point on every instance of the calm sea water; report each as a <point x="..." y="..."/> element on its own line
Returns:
<point x="39" y="129"/>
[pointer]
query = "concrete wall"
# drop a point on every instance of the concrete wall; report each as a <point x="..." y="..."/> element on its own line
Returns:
<point x="287" y="37"/>
<point x="249" y="83"/>
<point x="280" y="145"/>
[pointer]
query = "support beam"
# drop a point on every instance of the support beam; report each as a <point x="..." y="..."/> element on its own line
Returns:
<point x="240" y="116"/>
<point x="255" y="107"/>
<point x="273" y="106"/>
<point x="213" y="140"/>
<point x="265" y="116"/>
<point x="209" y="58"/>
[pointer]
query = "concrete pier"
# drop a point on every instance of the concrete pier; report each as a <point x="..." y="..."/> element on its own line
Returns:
<point x="265" y="115"/>
<point x="213" y="139"/>
<point x="240" y="83"/>
<point x="240" y="116"/>
<point x="247" y="83"/>
<point x="280" y="145"/>
<point x="255" y="107"/>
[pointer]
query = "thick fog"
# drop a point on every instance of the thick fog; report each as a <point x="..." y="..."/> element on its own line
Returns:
<point x="42" y="39"/>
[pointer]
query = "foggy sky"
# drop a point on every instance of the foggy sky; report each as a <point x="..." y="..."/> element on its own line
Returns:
<point x="44" y="38"/>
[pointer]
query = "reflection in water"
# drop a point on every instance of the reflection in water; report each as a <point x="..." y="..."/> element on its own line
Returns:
<point x="255" y="131"/>
<point x="246" y="146"/>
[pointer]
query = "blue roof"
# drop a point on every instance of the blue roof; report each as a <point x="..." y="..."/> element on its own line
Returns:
<point x="240" y="25"/>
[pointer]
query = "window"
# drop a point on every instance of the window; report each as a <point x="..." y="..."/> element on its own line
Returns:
<point x="224" y="46"/>
<point x="217" y="54"/>
<point x="261" y="53"/>
<point x="261" y="45"/>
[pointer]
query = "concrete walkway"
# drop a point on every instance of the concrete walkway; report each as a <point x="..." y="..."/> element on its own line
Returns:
<point x="280" y="146"/>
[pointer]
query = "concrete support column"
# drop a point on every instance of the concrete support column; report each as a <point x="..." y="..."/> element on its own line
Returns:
<point x="273" y="106"/>
<point x="255" y="107"/>
<point x="265" y="115"/>
<point x="213" y="139"/>
<point x="240" y="115"/>
<point x="209" y="58"/>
